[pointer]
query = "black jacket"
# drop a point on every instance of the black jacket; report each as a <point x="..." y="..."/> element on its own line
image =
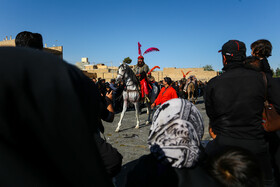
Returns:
<point x="234" y="102"/>
<point x="47" y="118"/>
<point x="148" y="172"/>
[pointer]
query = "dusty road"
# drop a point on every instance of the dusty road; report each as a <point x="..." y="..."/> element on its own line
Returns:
<point x="131" y="142"/>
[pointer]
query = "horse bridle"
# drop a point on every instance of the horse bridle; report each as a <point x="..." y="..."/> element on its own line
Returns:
<point x="122" y="75"/>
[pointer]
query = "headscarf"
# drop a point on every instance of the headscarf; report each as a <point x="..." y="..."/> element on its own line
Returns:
<point x="176" y="131"/>
<point x="47" y="120"/>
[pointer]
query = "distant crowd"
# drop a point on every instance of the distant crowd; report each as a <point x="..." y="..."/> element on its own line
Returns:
<point x="52" y="134"/>
<point x="179" y="86"/>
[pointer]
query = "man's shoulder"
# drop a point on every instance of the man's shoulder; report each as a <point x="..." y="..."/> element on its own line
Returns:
<point x="145" y="66"/>
<point x="213" y="80"/>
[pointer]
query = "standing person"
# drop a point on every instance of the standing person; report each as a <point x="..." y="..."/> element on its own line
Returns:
<point x="234" y="103"/>
<point x="45" y="139"/>
<point x="110" y="156"/>
<point x="261" y="50"/>
<point x="176" y="87"/>
<point x="166" y="93"/>
<point x="94" y="80"/>
<point x="113" y="87"/>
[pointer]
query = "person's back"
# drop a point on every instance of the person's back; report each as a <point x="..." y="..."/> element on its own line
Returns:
<point x="236" y="103"/>
<point x="47" y="122"/>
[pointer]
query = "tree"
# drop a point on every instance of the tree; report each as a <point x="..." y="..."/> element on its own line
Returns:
<point x="277" y="72"/>
<point x="208" y="68"/>
<point x="127" y="60"/>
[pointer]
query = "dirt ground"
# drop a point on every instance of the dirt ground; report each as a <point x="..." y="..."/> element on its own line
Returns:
<point x="131" y="142"/>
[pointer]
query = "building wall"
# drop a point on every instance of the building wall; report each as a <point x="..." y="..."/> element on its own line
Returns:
<point x="57" y="50"/>
<point x="8" y="43"/>
<point x="174" y="73"/>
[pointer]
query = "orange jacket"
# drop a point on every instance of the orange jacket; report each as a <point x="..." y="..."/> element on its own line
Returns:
<point x="165" y="94"/>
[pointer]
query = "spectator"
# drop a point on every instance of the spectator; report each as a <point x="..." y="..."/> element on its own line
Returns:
<point x="113" y="85"/>
<point x="161" y="84"/>
<point x="46" y="140"/>
<point x="176" y="87"/>
<point x="236" y="167"/>
<point x="166" y="93"/>
<point x="94" y="80"/>
<point x="234" y="103"/>
<point x="182" y="94"/>
<point x="262" y="49"/>
<point x="175" y="145"/>
<point x="29" y="39"/>
<point x="110" y="156"/>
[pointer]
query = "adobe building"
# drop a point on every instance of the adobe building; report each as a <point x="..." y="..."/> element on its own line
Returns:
<point x="110" y="72"/>
<point x="57" y="50"/>
<point x="176" y="73"/>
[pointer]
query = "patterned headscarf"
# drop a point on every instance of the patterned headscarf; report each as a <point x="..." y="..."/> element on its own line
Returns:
<point x="176" y="132"/>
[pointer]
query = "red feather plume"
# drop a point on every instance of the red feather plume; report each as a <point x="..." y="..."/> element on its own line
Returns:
<point x="183" y="74"/>
<point x="150" y="50"/>
<point x="153" y="69"/>
<point x="188" y="72"/>
<point x="139" y="49"/>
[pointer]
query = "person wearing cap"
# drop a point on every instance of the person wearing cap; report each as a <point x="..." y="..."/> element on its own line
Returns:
<point x="141" y="70"/>
<point x="166" y="93"/>
<point x="234" y="103"/>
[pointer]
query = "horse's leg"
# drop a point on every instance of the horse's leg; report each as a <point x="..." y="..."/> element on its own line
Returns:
<point x="149" y="113"/>
<point x="136" y="104"/>
<point x="122" y="115"/>
<point x="193" y="96"/>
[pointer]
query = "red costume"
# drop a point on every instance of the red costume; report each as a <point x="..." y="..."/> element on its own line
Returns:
<point x="145" y="87"/>
<point x="165" y="94"/>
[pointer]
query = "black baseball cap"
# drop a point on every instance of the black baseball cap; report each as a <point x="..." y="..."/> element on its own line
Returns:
<point x="234" y="48"/>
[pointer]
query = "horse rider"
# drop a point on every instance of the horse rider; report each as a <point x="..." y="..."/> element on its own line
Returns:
<point x="192" y="79"/>
<point x="141" y="70"/>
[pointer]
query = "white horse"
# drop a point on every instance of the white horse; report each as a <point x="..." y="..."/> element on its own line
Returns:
<point x="132" y="93"/>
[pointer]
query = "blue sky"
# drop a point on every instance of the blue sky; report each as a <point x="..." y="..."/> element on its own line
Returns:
<point x="187" y="33"/>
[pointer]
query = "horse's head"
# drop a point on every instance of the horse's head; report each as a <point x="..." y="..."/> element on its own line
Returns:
<point x="121" y="72"/>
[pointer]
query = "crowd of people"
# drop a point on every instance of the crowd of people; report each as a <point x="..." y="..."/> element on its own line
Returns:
<point x="51" y="123"/>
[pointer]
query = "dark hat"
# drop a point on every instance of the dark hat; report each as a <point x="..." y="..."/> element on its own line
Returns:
<point x="234" y="49"/>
